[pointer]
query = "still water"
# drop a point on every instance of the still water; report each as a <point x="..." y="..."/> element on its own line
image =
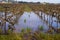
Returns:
<point x="33" y="21"/>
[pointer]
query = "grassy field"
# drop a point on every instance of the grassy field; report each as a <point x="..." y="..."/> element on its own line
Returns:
<point x="27" y="8"/>
<point x="29" y="36"/>
<point x="34" y="7"/>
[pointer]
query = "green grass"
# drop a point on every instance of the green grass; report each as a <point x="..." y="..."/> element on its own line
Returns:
<point x="26" y="34"/>
<point x="10" y="37"/>
<point x="40" y="28"/>
<point x="1" y="8"/>
<point x="27" y="8"/>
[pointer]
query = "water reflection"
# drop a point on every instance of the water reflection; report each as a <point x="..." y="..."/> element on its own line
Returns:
<point x="50" y="20"/>
<point x="32" y="21"/>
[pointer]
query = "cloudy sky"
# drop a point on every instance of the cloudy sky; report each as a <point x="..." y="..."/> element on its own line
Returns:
<point x="50" y="1"/>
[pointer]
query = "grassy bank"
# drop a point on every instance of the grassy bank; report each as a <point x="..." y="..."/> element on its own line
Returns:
<point x="27" y="34"/>
<point x="34" y="36"/>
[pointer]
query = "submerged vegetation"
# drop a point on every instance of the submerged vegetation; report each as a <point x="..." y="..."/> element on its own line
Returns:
<point x="40" y="28"/>
<point x="24" y="20"/>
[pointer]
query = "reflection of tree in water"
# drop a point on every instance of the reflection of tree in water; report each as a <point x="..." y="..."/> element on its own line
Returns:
<point x="11" y="19"/>
<point x="58" y="18"/>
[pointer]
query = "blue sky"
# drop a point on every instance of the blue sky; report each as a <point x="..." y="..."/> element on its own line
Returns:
<point x="50" y="1"/>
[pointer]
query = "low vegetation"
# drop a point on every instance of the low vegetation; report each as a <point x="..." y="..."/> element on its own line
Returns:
<point x="27" y="34"/>
<point x="27" y="8"/>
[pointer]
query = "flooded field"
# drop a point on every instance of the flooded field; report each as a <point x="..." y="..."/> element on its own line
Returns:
<point x="30" y="20"/>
